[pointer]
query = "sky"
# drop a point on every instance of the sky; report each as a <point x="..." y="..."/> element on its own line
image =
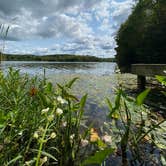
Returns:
<point x="84" y="27"/>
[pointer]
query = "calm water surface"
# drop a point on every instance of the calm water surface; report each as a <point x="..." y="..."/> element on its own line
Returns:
<point x="36" y="67"/>
<point x="95" y="78"/>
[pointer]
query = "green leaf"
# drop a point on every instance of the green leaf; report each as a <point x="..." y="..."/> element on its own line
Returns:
<point x="59" y="86"/>
<point x="69" y="85"/>
<point x="71" y="97"/>
<point x="14" y="160"/>
<point x="117" y="100"/>
<point x="44" y="99"/>
<point x="109" y="104"/>
<point x="161" y="79"/>
<point x="48" y="87"/>
<point x="141" y="97"/>
<point x="83" y="101"/>
<point x="101" y="144"/>
<point x="45" y="154"/>
<point x="160" y="145"/>
<point x="99" y="156"/>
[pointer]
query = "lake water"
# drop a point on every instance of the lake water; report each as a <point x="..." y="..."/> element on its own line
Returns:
<point x="36" y="67"/>
<point x="98" y="80"/>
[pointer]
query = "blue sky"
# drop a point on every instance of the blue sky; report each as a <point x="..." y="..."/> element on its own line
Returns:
<point x="85" y="27"/>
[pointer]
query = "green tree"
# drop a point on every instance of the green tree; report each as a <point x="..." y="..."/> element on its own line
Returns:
<point x="141" y="39"/>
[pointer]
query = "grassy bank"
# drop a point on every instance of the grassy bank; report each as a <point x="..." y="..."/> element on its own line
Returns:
<point x="44" y="124"/>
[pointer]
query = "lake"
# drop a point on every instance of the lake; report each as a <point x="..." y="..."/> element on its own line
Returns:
<point x="95" y="78"/>
<point x="36" y="67"/>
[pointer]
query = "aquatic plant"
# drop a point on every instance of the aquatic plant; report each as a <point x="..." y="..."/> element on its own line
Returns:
<point x="136" y="134"/>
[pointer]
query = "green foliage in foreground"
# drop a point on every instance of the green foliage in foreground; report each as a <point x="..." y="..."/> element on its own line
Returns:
<point x="38" y="123"/>
<point x="137" y="128"/>
<point x="43" y="125"/>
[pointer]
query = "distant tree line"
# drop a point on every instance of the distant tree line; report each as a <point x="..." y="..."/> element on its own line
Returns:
<point x="142" y="37"/>
<point x="58" y="57"/>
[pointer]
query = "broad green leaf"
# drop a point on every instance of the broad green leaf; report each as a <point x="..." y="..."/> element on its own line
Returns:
<point x="99" y="156"/>
<point x="117" y="100"/>
<point x="69" y="85"/>
<point x="141" y="97"/>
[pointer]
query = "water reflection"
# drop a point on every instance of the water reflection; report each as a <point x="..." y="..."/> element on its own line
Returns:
<point x="36" y="67"/>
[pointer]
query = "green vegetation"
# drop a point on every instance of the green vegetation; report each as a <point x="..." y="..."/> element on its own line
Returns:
<point x="141" y="39"/>
<point x="58" y="57"/>
<point x="44" y="125"/>
<point x="39" y="124"/>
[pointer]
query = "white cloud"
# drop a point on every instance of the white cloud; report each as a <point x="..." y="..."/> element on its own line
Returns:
<point x="121" y="10"/>
<point x="82" y="27"/>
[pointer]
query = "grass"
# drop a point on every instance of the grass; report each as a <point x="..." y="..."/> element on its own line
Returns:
<point x="42" y="124"/>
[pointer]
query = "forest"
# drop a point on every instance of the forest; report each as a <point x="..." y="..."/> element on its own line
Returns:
<point x="141" y="38"/>
<point x="57" y="57"/>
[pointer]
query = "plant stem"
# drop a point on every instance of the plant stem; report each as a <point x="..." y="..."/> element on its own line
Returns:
<point x="41" y="145"/>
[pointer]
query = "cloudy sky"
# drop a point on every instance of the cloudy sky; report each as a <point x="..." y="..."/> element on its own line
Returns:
<point x="85" y="27"/>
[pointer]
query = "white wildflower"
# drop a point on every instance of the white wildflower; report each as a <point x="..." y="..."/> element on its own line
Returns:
<point x="84" y="142"/>
<point x="107" y="139"/>
<point x="43" y="160"/>
<point x="27" y="163"/>
<point x="61" y="100"/>
<point x="35" y="135"/>
<point x="64" y="124"/>
<point x="72" y="138"/>
<point x="45" y="110"/>
<point x="50" y="118"/>
<point x="164" y="71"/>
<point x="20" y="133"/>
<point x="53" y="135"/>
<point x="59" y="111"/>
<point x="41" y="129"/>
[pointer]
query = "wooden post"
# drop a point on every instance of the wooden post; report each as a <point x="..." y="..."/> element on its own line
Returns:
<point x="141" y="81"/>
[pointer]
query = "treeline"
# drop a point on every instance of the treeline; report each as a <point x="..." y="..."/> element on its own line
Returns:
<point x="142" y="38"/>
<point x="58" y="57"/>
